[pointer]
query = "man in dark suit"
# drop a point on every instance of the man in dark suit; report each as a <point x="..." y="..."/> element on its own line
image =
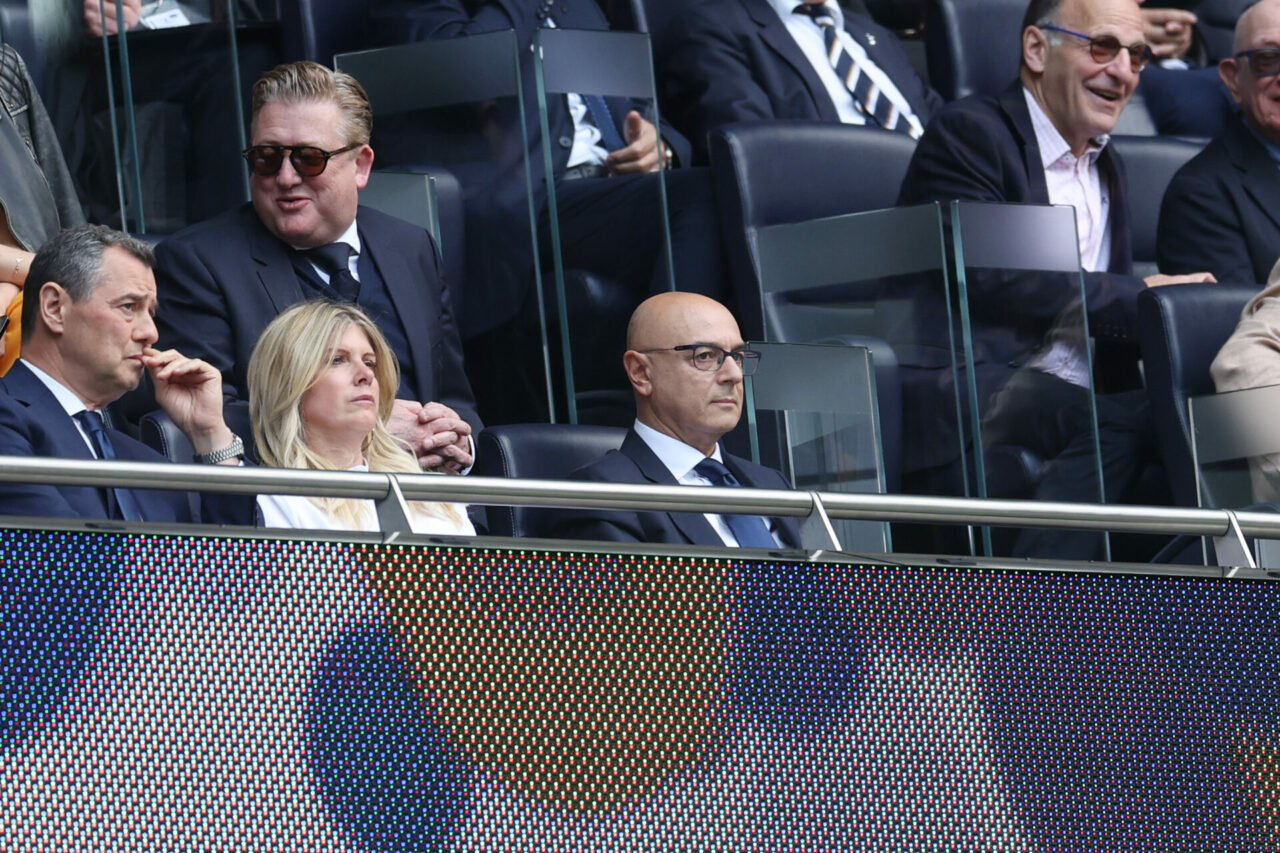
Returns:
<point x="222" y="281"/>
<point x="1043" y="141"/>
<point x="87" y="337"/>
<point x="1222" y="209"/>
<point x="748" y="60"/>
<point x="685" y="360"/>
<point x="605" y="157"/>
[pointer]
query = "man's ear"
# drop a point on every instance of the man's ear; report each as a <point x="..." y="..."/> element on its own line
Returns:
<point x="364" y="165"/>
<point x="1035" y="49"/>
<point x="638" y="368"/>
<point x="1229" y="71"/>
<point x="53" y="304"/>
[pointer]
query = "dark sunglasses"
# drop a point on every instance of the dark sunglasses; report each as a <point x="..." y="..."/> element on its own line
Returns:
<point x="1105" y="49"/>
<point x="1263" y="61"/>
<point x="308" y="161"/>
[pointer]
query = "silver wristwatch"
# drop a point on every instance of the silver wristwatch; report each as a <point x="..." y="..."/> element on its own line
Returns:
<point x="231" y="451"/>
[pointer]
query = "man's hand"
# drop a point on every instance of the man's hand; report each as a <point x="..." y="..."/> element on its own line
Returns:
<point x="1191" y="278"/>
<point x="1168" y="32"/>
<point x="641" y="153"/>
<point x="94" y="22"/>
<point x="190" y="392"/>
<point x="438" y="437"/>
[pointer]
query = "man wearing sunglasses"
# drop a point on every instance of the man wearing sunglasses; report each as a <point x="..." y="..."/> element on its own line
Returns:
<point x="1043" y="141"/>
<point x="305" y="236"/>
<point x="685" y="359"/>
<point x="1222" y="209"/>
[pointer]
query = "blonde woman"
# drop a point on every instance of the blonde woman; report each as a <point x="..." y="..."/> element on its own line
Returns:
<point x="322" y="381"/>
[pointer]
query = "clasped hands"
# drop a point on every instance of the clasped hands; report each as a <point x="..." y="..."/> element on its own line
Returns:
<point x="435" y="433"/>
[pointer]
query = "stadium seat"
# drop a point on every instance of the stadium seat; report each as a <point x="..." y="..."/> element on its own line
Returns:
<point x="319" y="29"/>
<point x="540" y="452"/>
<point x="1181" y="328"/>
<point x="1150" y="163"/>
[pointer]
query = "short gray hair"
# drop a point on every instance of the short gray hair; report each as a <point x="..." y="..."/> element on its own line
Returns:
<point x="72" y="258"/>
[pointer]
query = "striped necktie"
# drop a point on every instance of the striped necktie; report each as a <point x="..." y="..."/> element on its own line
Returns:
<point x="874" y="104"/>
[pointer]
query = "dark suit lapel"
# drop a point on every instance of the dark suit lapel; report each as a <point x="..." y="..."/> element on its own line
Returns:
<point x="276" y="275"/>
<point x="403" y="282"/>
<point x="774" y="34"/>
<point x="1111" y="169"/>
<point x="1261" y="174"/>
<point x="1014" y="105"/>
<point x="693" y="526"/>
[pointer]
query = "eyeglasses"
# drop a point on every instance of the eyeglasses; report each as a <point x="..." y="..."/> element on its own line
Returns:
<point x="308" y="161"/>
<point x="1105" y="49"/>
<point x="709" y="356"/>
<point x="1263" y="61"/>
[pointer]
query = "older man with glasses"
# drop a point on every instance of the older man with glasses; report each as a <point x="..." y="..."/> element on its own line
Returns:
<point x="1222" y="209"/>
<point x="686" y="360"/>
<point x="305" y="236"/>
<point x="1044" y="141"/>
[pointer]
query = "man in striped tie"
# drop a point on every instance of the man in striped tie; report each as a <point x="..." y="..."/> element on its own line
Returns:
<point x="750" y="60"/>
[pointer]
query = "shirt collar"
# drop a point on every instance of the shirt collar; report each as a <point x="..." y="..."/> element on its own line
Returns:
<point x="787" y="8"/>
<point x="351" y="237"/>
<point x="65" y="396"/>
<point x="679" y="457"/>
<point x="1051" y="143"/>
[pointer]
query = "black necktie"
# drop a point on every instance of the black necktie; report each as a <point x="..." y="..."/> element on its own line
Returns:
<point x="335" y="259"/>
<point x="873" y="103"/>
<point x="751" y="531"/>
<point x="126" y="501"/>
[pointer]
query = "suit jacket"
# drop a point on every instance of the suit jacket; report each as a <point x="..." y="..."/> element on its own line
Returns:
<point x="222" y="281"/>
<point x="634" y="462"/>
<point x="984" y="149"/>
<point x="734" y="61"/>
<point x="34" y="424"/>
<point x="500" y="248"/>
<point x="1221" y="212"/>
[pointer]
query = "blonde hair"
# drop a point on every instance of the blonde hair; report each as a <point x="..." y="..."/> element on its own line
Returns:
<point x="303" y="82"/>
<point x="287" y="361"/>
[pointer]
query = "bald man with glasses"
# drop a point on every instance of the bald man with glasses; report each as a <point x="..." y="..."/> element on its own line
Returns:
<point x="306" y="236"/>
<point x="1222" y="209"/>
<point x="686" y="360"/>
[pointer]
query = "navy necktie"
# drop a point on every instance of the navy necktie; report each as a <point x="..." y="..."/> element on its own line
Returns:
<point x="873" y="103"/>
<point x="126" y="501"/>
<point x="751" y="531"/>
<point x="602" y="117"/>
<point x="335" y="259"/>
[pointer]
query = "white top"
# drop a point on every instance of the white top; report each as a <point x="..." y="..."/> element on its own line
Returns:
<point x="587" y="147"/>
<point x="808" y="36"/>
<point x="301" y="513"/>
<point x="681" y="459"/>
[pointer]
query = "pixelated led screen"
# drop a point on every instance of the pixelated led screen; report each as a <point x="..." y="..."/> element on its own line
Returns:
<point x="172" y="692"/>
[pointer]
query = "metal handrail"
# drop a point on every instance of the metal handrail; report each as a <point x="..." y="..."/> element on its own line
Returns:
<point x="557" y="493"/>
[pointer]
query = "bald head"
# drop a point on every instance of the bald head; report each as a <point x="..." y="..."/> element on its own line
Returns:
<point x="672" y="395"/>
<point x="1258" y="16"/>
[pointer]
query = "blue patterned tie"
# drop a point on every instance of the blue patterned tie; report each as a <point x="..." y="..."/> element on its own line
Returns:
<point x="602" y="117"/>
<point x="751" y="531"/>
<point x="126" y="501"/>
<point x="873" y="103"/>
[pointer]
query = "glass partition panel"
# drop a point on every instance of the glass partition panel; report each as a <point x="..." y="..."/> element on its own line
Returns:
<point x="825" y="427"/>
<point x="1028" y="368"/>
<point x="463" y="117"/>
<point x="607" y="75"/>
<point x="1236" y="451"/>
<point x="153" y="120"/>
<point x="879" y="280"/>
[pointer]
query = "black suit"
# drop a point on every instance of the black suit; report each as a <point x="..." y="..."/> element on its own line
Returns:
<point x="1221" y="213"/>
<point x="985" y="149"/>
<point x="221" y="282"/>
<point x="636" y="463"/>
<point x="34" y="424"/>
<point x="607" y="226"/>
<point x="734" y="61"/>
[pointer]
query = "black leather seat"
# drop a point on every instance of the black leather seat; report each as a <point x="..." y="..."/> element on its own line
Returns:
<point x="537" y="452"/>
<point x="1181" y="328"/>
<point x="972" y="45"/>
<point x="1150" y="163"/>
